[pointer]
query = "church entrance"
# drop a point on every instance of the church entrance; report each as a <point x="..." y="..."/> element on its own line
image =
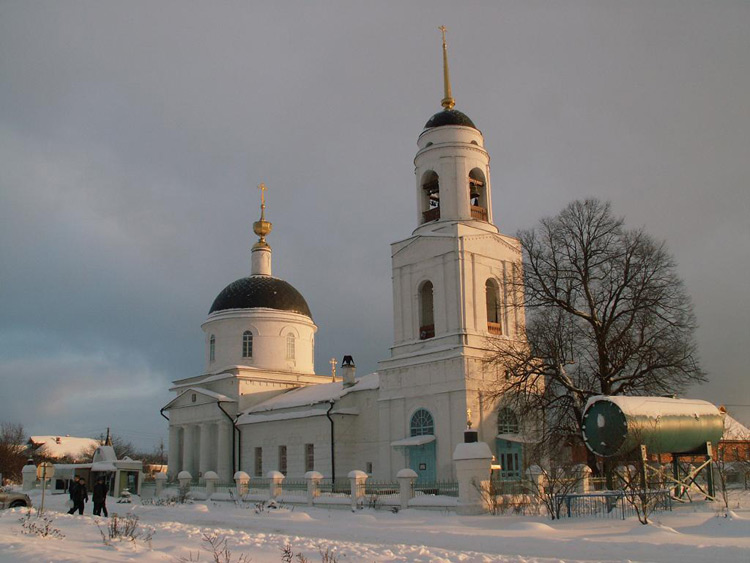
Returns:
<point x="422" y="461"/>
<point x="510" y="457"/>
<point x="422" y="456"/>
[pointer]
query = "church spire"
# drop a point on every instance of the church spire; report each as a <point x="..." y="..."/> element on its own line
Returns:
<point x="261" y="259"/>
<point x="448" y="102"/>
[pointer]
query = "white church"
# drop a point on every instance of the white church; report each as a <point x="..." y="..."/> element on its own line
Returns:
<point x="259" y="406"/>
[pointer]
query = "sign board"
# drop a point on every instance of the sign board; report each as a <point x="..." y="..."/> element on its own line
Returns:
<point x="45" y="471"/>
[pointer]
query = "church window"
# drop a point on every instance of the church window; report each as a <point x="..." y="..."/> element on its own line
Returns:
<point x="259" y="462"/>
<point x="507" y="422"/>
<point x="430" y="197"/>
<point x="282" y="459"/>
<point x="368" y="468"/>
<point x="193" y="398"/>
<point x="426" y="315"/>
<point x="422" y="423"/>
<point x="492" y="300"/>
<point x="212" y="348"/>
<point x="309" y="457"/>
<point x="477" y="195"/>
<point x="247" y="344"/>
<point x="290" y="346"/>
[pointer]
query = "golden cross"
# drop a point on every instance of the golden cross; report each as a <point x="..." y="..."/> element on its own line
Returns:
<point x="333" y="368"/>
<point x="443" y="29"/>
<point x="262" y="187"/>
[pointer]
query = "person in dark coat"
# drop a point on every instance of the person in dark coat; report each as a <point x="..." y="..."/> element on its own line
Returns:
<point x="72" y="487"/>
<point x="100" y="497"/>
<point x="80" y="495"/>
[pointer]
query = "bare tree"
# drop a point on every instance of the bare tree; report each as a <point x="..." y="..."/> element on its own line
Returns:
<point x="12" y="451"/>
<point x="607" y="314"/>
<point x="557" y="477"/>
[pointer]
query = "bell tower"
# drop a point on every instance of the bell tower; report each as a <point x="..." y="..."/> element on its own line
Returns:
<point x="455" y="287"/>
<point x="452" y="168"/>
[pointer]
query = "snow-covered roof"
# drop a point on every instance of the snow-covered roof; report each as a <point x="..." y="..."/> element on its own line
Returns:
<point x="290" y="415"/>
<point x="735" y="430"/>
<point x="64" y="446"/>
<point x="315" y="394"/>
<point x="104" y="454"/>
<point x="657" y="406"/>
<point x="212" y="394"/>
<point x="207" y="379"/>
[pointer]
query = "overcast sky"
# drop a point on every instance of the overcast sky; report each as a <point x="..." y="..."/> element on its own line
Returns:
<point x="133" y="134"/>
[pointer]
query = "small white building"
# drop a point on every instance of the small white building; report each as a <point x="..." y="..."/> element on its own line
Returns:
<point x="258" y="405"/>
<point x="119" y="474"/>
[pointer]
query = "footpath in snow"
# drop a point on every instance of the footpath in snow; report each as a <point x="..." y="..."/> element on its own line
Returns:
<point x="693" y="533"/>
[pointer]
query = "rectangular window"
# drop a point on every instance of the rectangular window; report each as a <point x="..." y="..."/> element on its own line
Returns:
<point x="282" y="459"/>
<point x="368" y="468"/>
<point x="259" y="462"/>
<point x="309" y="457"/>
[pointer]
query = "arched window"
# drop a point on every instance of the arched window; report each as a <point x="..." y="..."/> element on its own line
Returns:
<point x="492" y="301"/>
<point x="247" y="344"/>
<point x="477" y="195"/>
<point x="212" y="348"/>
<point x="426" y="314"/>
<point x="430" y="197"/>
<point x="507" y="422"/>
<point x="421" y="423"/>
<point x="290" y="346"/>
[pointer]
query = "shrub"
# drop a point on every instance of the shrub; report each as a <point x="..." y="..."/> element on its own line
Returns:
<point x="40" y="525"/>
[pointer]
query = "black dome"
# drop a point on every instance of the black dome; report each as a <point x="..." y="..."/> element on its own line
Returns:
<point x="449" y="117"/>
<point x="261" y="291"/>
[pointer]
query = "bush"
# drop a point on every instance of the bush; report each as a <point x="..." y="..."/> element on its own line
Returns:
<point x="40" y="525"/>
<point x="125" y="528"/>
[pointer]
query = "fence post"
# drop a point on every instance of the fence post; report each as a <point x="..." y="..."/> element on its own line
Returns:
<point x="535" y="474"/>
<point x="184" y="477"/>
<point x="242" y="483"/>
<point x="159" y="479"/>
<point x="406" y="478"/>
<point x="29" y="477"/>
<point x="275" y="479"/>
<point x="473" y="462"/>
<point x="357" y="480"/>
<point x="313" y="486"/>
<point x="210" y="477"/>
<point x="583" y="473"/>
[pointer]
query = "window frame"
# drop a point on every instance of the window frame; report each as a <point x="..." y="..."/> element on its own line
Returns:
<point x="420" y="422"/>
<point x="247" y="344"/>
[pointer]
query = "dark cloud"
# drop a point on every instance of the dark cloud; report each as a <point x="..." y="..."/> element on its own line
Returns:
<point x="132" y="136"/>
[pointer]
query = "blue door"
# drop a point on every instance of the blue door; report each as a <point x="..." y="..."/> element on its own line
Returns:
<point x="422" y="461"/>
<point x="510" y="458"/>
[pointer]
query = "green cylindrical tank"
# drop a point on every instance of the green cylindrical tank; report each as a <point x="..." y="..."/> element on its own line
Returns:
<point x="615" y="425"/>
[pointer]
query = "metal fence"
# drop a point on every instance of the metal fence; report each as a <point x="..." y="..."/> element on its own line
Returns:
<point x="444" y="488"/>
<point x="614" y="504"/>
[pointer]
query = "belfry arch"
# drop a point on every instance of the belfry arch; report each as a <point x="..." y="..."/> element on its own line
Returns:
<point x="478" y="194"/>
<point x="430" y="197"/>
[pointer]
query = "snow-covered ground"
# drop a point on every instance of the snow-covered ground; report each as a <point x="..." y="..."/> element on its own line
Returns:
<point x="691" y="533"/>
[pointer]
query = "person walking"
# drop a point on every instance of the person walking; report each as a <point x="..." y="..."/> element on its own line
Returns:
<point x="99" y="497"/>
<point x="72" y="484"/>
<point x="79" y="495"/>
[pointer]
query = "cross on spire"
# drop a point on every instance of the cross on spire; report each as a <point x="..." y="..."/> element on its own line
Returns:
<point x="448" y="102"/>
<point x="332" y="361"/>
<point x="262" y="187"/>
<point x="262" y="227"/>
